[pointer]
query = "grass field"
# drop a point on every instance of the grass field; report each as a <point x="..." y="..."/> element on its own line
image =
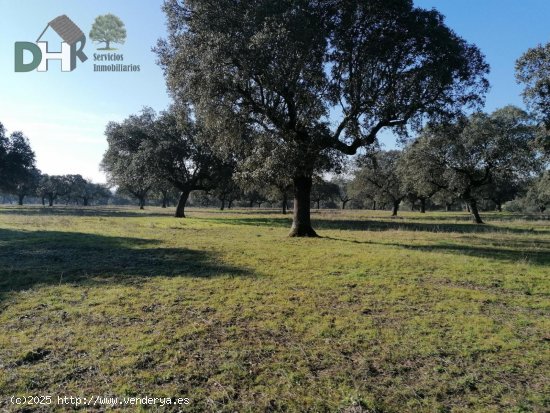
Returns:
<point x="416" y="314"/>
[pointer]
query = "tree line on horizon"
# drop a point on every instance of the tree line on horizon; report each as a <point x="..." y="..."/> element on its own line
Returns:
<point x="300" y="91"/>
<point x="482" y="163"/>
<point x="20" y="178"/>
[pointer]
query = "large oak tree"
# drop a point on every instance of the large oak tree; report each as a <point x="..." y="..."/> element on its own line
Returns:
<point x="146" y="150"/>
<point x="321" y="77"/>
<point x="181" y="156"/>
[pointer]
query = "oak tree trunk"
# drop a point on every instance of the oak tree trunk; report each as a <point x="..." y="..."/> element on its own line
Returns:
<point x="472" y="203"/>
<point x="222" y="207"/>
<point x="284" y="203"/>
<point x="422" y="206"/>
<point x="180" y="209"/>
<point x="301" y="220"/>
<point x="21" y="197"/>
<point x="395" y="208"/>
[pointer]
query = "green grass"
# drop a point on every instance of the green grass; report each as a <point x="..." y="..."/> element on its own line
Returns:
<point x="416" y="314"/>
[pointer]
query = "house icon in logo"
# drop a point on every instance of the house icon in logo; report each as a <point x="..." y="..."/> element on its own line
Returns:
<point x="72" y="45"/>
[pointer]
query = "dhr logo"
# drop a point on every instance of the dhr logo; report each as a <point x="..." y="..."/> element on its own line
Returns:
<point x="72" y="45"/>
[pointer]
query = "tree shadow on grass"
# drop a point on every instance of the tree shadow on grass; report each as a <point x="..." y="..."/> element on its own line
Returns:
<point x="510" y="251"/>
<point x="376" y="225"/>
<point x="538" y="257"/>
<point x="49" y="257"/>
<point x="83" y="211"/>
<point x="123" y="212"/>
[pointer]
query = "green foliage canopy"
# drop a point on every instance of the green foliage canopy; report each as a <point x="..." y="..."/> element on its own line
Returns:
<point x="467" y="156"/>
<point x="317" y="78"/>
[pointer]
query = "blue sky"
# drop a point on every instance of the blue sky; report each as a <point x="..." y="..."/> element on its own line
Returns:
<point x="64" y="114"/>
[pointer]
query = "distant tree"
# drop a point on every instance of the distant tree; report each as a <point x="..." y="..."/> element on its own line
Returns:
<point x="128" y="161"/>
<point x="20" y="157"/>
<point x="165" y="192"/>
<point x="539" y="192"/>
<point x="279" y="192"/>
<point x="27" y="184"/>
<point x="87" y="192"/>
<point x="379" y="171"/>
<point x="227" y="189"/>
<point x="146" y="148"/>
<point x="41" y="188"/>
<point x="318" y="78"/>
<point x="533" y="70"/>
<point x="51" y="187"/>
<point x="108" y="29"/>
<point x="343" y="193"/>
<point x="120" y="198"/>
<point x="465" y="157"/>
<point x="181" y="156"/>
<point x="262" y="171"/>
<point x="280" y="195"/>
<point x="74" y="185"/>
<point x="504" y="187"/>
<point x="362" y="190"/>
<point x="419" y="175"/>
<point x="445" y="198"/>
<point x="17" y="165"/>
<point x="3" y="156"/>
<point x="98" y="193"/>
<point x="255" y="195"/>
<point x="322" y="190"/>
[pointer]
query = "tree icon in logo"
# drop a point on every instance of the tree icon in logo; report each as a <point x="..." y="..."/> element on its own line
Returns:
<point x="108" y="29"/>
